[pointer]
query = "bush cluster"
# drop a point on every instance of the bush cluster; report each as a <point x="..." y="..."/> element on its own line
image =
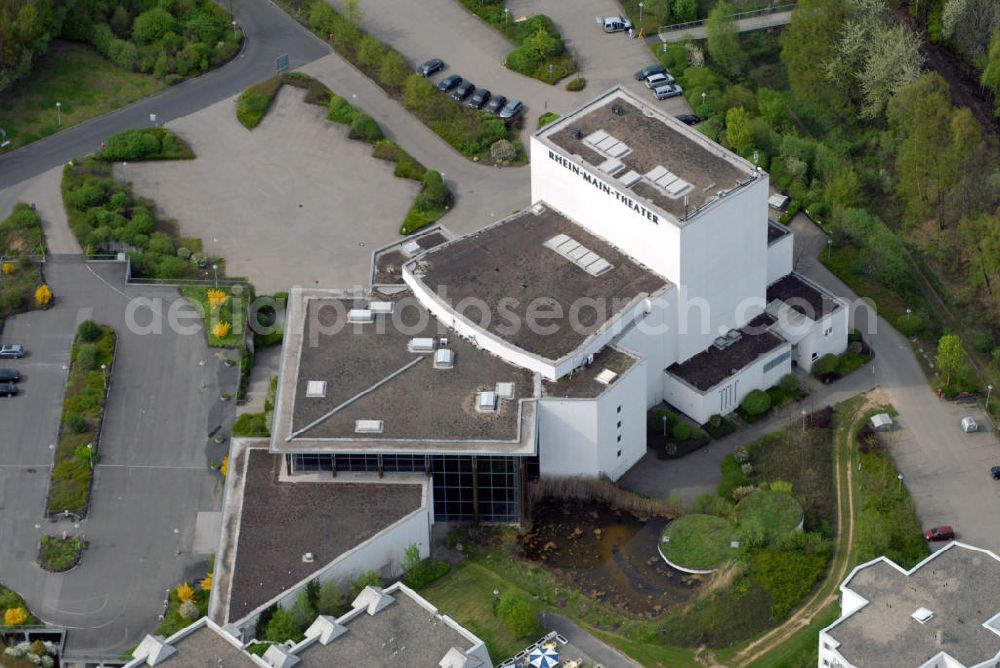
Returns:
<point x="255" y="101"/>
<point x="21" y="232"/>
<point x="430" y="204"/>
<point x="251" y="425"/>
<point x="146" y="144"/>
<point x="755" y="404"/>
<point x="519" y="614"/>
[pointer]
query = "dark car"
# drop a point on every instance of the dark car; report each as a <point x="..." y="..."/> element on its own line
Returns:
<point x="463" y="90"/>
<point x="495" y="104"/>
<point x="478" y="99"/>
<point x="939" y="533"/>
<point x="8" y="389"/>
<point x="9" y="375"/>
<point x="688" y="119"/>
<point x="449" y="82"/>
<point x="430" y="67"/>
<point x="995" y="472"/>
<point x="511" y="109"/>
<point x="11" y="351"/>
<point x="649" y="71"/>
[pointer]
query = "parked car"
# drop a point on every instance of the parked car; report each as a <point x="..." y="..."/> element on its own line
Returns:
<point x="969" y="425"/>
<point x="939" y="533"/>
<point x="495" y="104"/>
<point x="659" y="79"/>
<point x="664" y="92"/>
<point x="449" y="82"/>
<point x="650" y="71"/>
<point x="614" y="23"/>
<point x="9" y="375"/>
<point x="463" y="90"/>
<point x="8" y="389"/>
<point x="511" y="109"/>
<point x="12" y="351"/>
<point x="430" y="67"/>
<point x="478" y="99"/>
<point x="995" y="472"/>
<point x="688" y="119"/>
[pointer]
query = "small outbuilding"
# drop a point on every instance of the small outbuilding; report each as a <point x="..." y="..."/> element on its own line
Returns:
<point x="881" y="422"/>
<point x="778" y="202"/>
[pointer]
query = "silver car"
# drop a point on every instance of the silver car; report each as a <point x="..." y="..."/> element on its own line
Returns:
<point x="664" y="92"/>
<point x="659" y="80"/>
<point x="11" y="351"/>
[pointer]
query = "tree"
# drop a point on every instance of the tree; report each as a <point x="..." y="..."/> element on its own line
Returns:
<point x="518" y="614"/>
<point x="370" y="51"/>
<point x="153" y="24"/>
<point x="951" y="358"/>
<point x="685" y="10"/>
<point x="991" y="74"/>
<point x="330" y="600"/>
<point x="723" y="39"/>
<point x="893" y="61"/>
<point x="303" y="610"/>
<point x="15" y="616"/>
<point x="411" y="558"/>
<point x="282" y="626"/>
<point x="738" y="129"/>
<point x="969" y="24"/>
<point x="352" y="12"/>
<point x="394" y="70"/>
<point x="807" y="44"/>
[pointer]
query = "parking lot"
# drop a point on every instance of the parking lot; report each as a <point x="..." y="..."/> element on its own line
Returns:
<point x="153" y="472"/>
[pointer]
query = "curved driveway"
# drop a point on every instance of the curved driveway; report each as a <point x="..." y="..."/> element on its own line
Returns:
<point x="269" y="31"/>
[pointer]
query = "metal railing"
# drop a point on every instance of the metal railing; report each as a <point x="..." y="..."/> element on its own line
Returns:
<point x="673" y="27"/>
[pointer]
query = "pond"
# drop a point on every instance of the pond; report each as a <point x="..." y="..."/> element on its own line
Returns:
<point x="607" y="553"/>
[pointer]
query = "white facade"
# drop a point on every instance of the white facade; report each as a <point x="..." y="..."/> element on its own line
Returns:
<point x="726" y="396"/>
<point x="780" y="257"/>
<point x="605" y="435"/>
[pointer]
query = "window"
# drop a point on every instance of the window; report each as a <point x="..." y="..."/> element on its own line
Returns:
<point x="619" y="409"/>
<point x="828" y="331"/>
<point x="814" y="356"/>
<point x="770" y="364"/>
<point x="619" y="438"/>
<point x="619" y="454"/>
<point x="619" y="424"/>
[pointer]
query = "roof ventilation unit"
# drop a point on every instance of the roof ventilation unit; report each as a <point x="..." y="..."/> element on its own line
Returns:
<point x="721" y="343"/>
<point x="922" y="615"/>
<point x="629" y="178"/>
<point x="421" y="345"/>
<point x="606" y="377"/>
<point x="316" y="389"/>
<point x="308" y="558"/>
<point x="577" y="133"/>
<point x="360" y="315"/>
<point x="380" y="308"/>
<point x="411" y="248"/>
<point x="444" y="358"/>
<point x="617" y="109"/>
<point x="734" y="335"/>
<point x="368" y="426"/>
<point x="505" y="390"/>
<point x="486" y="402"/>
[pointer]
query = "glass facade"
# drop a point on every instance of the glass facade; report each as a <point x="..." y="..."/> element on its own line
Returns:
<point x="464" y="486"/>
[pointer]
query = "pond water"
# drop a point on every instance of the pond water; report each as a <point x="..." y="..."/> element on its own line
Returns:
<point x="607" y="553"/>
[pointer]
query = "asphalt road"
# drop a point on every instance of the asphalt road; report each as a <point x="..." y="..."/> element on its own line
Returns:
<point x="269" y="32"/>
<point x="152" y="475"/>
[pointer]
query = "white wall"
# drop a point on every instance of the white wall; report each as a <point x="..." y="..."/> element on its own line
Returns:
<point x="723" y="262"/>
<point x="828" y="335"/>
<point x="725" y="397"/>
<point x="655" y="340"/>
<point x="579" y="437"/>
<point x="780" y="258"/>
<point x="382" y="552"/>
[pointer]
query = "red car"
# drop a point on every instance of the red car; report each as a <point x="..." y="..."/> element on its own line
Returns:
<point x="940" y="533"/>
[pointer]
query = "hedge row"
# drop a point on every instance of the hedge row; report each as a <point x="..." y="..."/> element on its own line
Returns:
<point x="146" y="144"/>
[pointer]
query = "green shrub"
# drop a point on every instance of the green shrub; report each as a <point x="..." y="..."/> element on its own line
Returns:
<point x="546" y="118"/>
<point x="825" y="365"/>
<point x="58" y="554"/>
<point x="910" y="325"/>
<point x="255" y="101"/>
<point x="75" y="423"/>
<point x="756" y="403"/>
<point x="282" y="626"/>
<point x="576" y="84"/>
<point x="251" y="425"/>
<point x="367" y="579"/>
<point x="789" y="384"/>
<point x="341" y="111"/>
<point x="330" y="600"/>
<point x="519" y="614"/>
<point x="88" y="331"/>
<point x="86" y="356"/>
<point x="365" y="128"/>
<point x="682" y="431"/>
<point x="732" y="477"/>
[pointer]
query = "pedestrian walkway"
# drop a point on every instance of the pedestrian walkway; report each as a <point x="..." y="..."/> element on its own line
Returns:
<point x="749" y="24"/>
<point x="595" y="648"/>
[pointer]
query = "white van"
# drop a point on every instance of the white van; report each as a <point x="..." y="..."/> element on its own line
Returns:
<point x="615" y="23"/>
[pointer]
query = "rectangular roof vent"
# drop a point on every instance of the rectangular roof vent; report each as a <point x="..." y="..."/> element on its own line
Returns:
<point x="579" y="255"/>
<point x="505" y="390"/>
<point x="380" y="308"/>
<point x="595" y="138"/>
<point x="922" y="615"/>
<point x="316" y="389"/>
<point x="606" y="377"/>
<point x="444" y="358"/>
<point x="368" y="426"/>
<point x="421" y="345"/>
<point x="411" y="247"/>
<point x="630" y="178"/>
<point x="360" y="315"/>
<point x="486" y="402"/>
<point x="611" y="166"/>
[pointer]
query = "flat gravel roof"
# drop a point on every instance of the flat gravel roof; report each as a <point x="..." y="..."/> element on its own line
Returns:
<point x="710" y="367"/>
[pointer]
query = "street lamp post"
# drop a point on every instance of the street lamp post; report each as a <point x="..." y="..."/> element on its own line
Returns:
<point x="803" y="420"/>
<point x="215" y="270"/>
<point x="235" y="34"/>
<point x="664" y="426"/>
<point x="989" y="388"/>
<point x="829" y="249"/>
<point x="506" y="16"/>
<point x="640" y="15"/>
<point x="104" y="372"/>
<point x="59" y="113"/>
<point x="900" y="478"/>
<point x="90" y="453"/>
<point x="703" y="96"/>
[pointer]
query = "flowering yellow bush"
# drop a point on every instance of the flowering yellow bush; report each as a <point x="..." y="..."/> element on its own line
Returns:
<point x="15" y="616"/>
<point x="224" y="469"/>
<point x="8" y="267"/>
<point x="43" y="295"/>
<point x="221" y="329"/>
<point x="206" y="584"/>
<point x="217" y="298"/>
<point x="185" y="592"/>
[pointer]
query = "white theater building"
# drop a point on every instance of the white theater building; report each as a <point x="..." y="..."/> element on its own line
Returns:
<point x="644" y="270"/>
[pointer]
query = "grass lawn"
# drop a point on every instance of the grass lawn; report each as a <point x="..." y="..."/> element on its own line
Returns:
<point x="801" y="650"/>
<point x="466" y="594"/>
<point x="56" y="554"/>
<point x="699" y="541"/>
<point x="81" y="79"/>
<point x="774" y="513"/>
